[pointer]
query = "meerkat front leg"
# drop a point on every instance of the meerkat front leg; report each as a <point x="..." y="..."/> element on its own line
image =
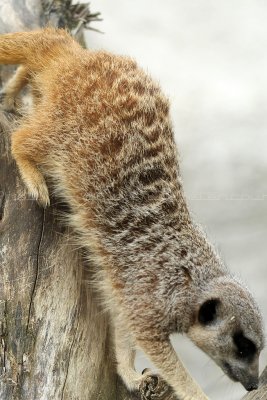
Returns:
<point x="13" y="87"/>
<point x="162" y="355"/>
<point x="125" y="356"/>
<point x="172" y="370"/>
<point x="23" y="153"/>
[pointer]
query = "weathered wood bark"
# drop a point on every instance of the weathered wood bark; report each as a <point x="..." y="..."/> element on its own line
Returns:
<point x="55" y="341"/>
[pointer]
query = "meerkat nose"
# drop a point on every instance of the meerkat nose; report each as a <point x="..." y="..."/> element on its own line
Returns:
<point x="252" y="386"/>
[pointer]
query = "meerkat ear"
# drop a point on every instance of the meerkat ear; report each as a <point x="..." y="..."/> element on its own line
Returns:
<point x="208" y="311"/>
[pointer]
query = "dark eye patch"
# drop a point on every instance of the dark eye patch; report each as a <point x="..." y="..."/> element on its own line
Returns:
<point x="208" y="312"/>
<point x="245" y="347"/>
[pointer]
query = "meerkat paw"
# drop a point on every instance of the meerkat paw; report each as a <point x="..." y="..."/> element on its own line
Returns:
<point x="153" y="385"/>
<point x="38" y="190"/>
<point x="147" y="383"/>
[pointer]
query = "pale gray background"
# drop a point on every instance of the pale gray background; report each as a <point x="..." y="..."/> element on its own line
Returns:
<point x="211" y="59"/>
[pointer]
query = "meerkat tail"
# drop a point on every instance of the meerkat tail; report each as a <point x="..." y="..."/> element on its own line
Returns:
<point x="32" y="48"/>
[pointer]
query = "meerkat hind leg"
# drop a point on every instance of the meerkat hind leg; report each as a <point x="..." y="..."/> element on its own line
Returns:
<point x="31" y="175"/>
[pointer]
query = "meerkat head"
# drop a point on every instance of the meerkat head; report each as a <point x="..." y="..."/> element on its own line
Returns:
<point x="228" y="327"/>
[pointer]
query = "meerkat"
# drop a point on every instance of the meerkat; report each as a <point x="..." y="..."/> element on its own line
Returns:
<point x="99" y="131"/>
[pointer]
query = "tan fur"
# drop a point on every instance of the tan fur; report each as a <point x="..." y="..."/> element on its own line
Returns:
<point x="100" y="131"/>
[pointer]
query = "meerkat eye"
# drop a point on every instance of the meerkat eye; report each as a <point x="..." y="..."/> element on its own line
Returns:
<point x="208" y="311"/>
<point x="245" y="347"/>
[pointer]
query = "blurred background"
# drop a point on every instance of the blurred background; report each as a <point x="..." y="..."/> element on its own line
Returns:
<point x="211" y="60"/>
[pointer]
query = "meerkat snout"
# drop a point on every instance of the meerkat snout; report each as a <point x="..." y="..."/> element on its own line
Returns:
<point x="228" y="327"/>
